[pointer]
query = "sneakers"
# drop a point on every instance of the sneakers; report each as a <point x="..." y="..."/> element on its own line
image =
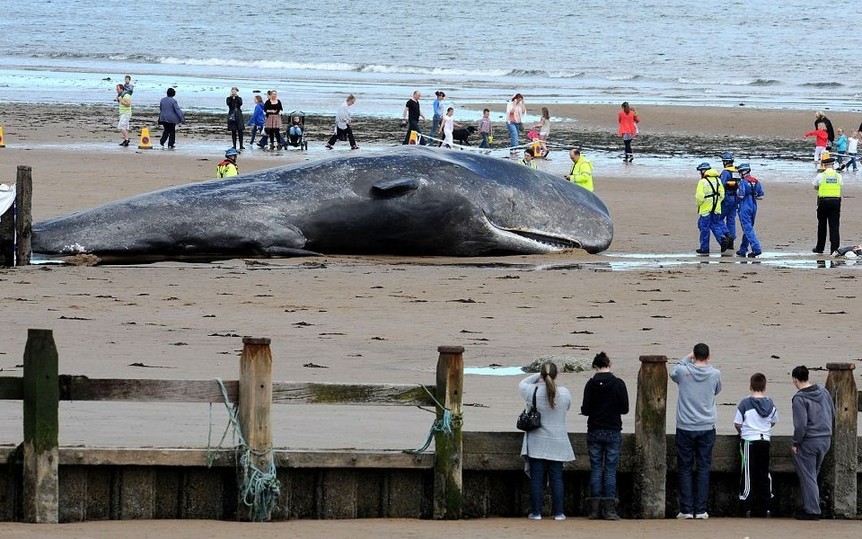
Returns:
<point x="702" y="516"/>
<point x="684" y="516"/>
<point x="560" y="517"/>
<point x="531" y="516"/>
<point x="125" y="143"/>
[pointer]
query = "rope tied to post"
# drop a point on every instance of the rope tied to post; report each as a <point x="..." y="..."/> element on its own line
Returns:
<point x="260" y="488"/>
<point x="442" y="425"/>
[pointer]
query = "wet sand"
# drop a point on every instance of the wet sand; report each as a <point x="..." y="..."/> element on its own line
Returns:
<point x="380" y="319"/>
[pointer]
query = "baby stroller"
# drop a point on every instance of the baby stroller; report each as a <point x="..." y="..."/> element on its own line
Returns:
<point x="296" y="130"/>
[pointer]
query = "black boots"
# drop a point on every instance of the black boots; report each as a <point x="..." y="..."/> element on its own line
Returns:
<point x="599" y="508"/>
<point x="593" y="511"/>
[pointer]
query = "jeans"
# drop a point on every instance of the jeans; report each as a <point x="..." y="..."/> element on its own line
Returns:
<point x="513" y="129"/>
<point x="694" y="447"/>
<point x="541" y="472"/>
<point x="435" y="125"/>
<point x="255" y="129"/>
<point x="484" y="143"/>
<point x="604" y="448"/>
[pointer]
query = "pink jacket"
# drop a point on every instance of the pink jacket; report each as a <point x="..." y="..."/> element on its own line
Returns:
<point x="627" y="123"/>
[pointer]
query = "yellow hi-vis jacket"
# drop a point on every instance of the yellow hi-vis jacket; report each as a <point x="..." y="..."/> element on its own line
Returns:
<point x="830" y="184"/>
<point x="226" y="169"/>
<point x="582" y="173"/>
<point x="709" y="193"/>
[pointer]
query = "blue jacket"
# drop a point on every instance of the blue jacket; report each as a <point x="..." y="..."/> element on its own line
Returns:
<point x="748" y="193"/>
<point x="169" y="111"/>
<point x="258" y="118"/>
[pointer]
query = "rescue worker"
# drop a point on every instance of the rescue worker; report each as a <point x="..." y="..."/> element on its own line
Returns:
<point x="828" y="185"/>
<point x="730" y="181"/>
<point x="708" y="195"/>
<point x="749" y="192"/>
<point x="527" y="161"/>
<point x="228" y="168"/>
<point x="582" y="170"/>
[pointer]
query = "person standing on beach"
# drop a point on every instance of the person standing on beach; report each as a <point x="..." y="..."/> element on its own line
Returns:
<point x="606" y="400"/>
<point x="485" y="129"/>
<point x="412" y="115"/>
<point x="699" y="383"/>
<point x="820" y="117"/>
<point x="628" y="130"/>
<point x="125" y="100"/>
<point x="546" y="448"/>
<point x="582" y="170"/>
<point x="828" y="185"/>
<point x="170" y="115"/>
<point x="852" y="149"/>
<point x="730" y="204"/>
<point x="515" y="110"/>
<point x="749" y="192"/>
<point x="273" y="108"/>
<point x="437" y="119"/>
<point x="447" y="127"/>
<point x="813" y="415"/>
<point x="544" y="127"/>
<point x="755" y="416"/>
<point x="821" y="139"/>
<point x="257" y="120"/>
<point x="342" y="125"/>
<point x="235" y="122"/>
<point x="708" y="195"/>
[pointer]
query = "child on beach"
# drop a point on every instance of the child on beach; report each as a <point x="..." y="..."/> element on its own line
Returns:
<point x="840" y="147"/>
<point x="755" y="417"/>
<point x="257" y="120"/>
<point x="485" y="129"/>
<point x="852" y="147"/>
<point x="447" y="126"/>
<point x="821" y="137"/>
<point x="544" y="127"/>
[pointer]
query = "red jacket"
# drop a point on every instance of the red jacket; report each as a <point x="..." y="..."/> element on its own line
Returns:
<point x="822" y="136"/>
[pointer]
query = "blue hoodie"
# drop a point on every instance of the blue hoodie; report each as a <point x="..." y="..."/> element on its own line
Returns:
<point x="698" y="386"/>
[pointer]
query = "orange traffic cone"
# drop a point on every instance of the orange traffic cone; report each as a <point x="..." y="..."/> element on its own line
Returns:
<point x="146" y="143"/>
<point x="2" y="140"/>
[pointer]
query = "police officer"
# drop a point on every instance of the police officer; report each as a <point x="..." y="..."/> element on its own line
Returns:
<point x="582" y="170"/>
<point x="228" y="167"/>
<point x="749" y="192"/>
<point x="730" y="180"/>
<point x="828" y="185"/>
<point x="708" y="195"/>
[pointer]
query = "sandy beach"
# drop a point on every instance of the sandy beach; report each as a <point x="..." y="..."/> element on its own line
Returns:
<point x="380" y="319"/>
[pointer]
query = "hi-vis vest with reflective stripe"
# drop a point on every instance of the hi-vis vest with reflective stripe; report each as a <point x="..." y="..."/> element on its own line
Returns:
<point x="829" y="186"/>
<point x="582" y="173"/>
<point x="709" y="194"/>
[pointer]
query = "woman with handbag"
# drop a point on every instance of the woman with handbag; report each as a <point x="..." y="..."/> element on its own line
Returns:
<point x="605" y="400"/>
<point x="547" y="447"/>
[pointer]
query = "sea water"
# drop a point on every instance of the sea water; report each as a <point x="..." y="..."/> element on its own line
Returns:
<point x="791" y="54"/>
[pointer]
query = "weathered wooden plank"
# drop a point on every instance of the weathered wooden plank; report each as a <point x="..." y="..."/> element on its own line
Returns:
<point x="82" y="388"/>
<point x="137" y="493"/>
<point x="24" y="220"/>
<point x="363" y="394"/>
<point x="11" y="388"/>
<point x="254" y="416"/>
<point x="41" y="428"/>
<point x="353" y="459"/>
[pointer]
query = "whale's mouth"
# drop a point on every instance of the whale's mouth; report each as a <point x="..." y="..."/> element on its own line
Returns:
<point x="541" y="240"/>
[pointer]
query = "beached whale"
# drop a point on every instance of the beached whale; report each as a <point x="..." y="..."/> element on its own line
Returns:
<point x="409" y="200"/>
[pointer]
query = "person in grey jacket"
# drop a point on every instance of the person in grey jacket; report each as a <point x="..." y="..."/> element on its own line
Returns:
<point x="813" y="414"/>
<point x="170" y="115"/>
<point x="548" y="447"/>
<point x="699" y="383"/>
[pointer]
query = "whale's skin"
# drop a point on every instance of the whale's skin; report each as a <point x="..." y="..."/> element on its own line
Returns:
<point x="409" y="200"/>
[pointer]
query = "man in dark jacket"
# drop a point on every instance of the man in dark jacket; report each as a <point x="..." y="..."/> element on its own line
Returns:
<point x="813" y="414"/>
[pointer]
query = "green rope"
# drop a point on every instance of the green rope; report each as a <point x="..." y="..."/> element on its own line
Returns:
<point x="442" y="425"/>
<point x="260" y="488"/>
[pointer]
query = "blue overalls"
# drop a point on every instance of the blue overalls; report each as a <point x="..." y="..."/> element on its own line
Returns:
<point x="748" y="192"/>
<point x="730" y="179"/>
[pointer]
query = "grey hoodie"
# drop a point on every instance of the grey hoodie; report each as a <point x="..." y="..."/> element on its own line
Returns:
<point x="698" y="386"/>
<point x="813" y="413"/>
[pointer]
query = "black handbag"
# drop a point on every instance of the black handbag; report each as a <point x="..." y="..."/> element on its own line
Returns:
<point x="530" y="418"/>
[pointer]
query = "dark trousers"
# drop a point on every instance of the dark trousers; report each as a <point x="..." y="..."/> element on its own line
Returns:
<point x="412" y="126"/>
<point x="694" y="448"/>
<point x="807" y="460"/>
<point x="627" y="142"/>
<point x="828" y="213"/>
<point x="234" y="135"/>
<point x="169" y="133"/>
<point x="340" y="133"/>
<point x="755" y="482"/>
<point x="544" y="472"/>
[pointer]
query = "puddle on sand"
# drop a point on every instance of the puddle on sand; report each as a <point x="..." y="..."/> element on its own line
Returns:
<point x="494" y="371"/>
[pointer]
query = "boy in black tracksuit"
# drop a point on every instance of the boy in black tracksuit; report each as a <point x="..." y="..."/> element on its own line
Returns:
<point x="755" y="417"/>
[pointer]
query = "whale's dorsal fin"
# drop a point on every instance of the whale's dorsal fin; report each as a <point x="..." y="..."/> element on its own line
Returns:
<point x="394" y="187"/>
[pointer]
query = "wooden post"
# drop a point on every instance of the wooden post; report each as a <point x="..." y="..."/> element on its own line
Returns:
<point x="448" y="448"/>
<point x="255" y="401"/>
<point x="839" y="473"/>
<point x="7" y="237"/>
<point x="41" y="387"/>
<point x="650" y="477"/>
<point x="24" y="220"/>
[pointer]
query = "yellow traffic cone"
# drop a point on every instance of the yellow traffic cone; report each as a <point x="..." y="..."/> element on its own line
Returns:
<point x="414" y="138"/>
<point x="2" y="140"/>
<point x="146" y="143"/>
